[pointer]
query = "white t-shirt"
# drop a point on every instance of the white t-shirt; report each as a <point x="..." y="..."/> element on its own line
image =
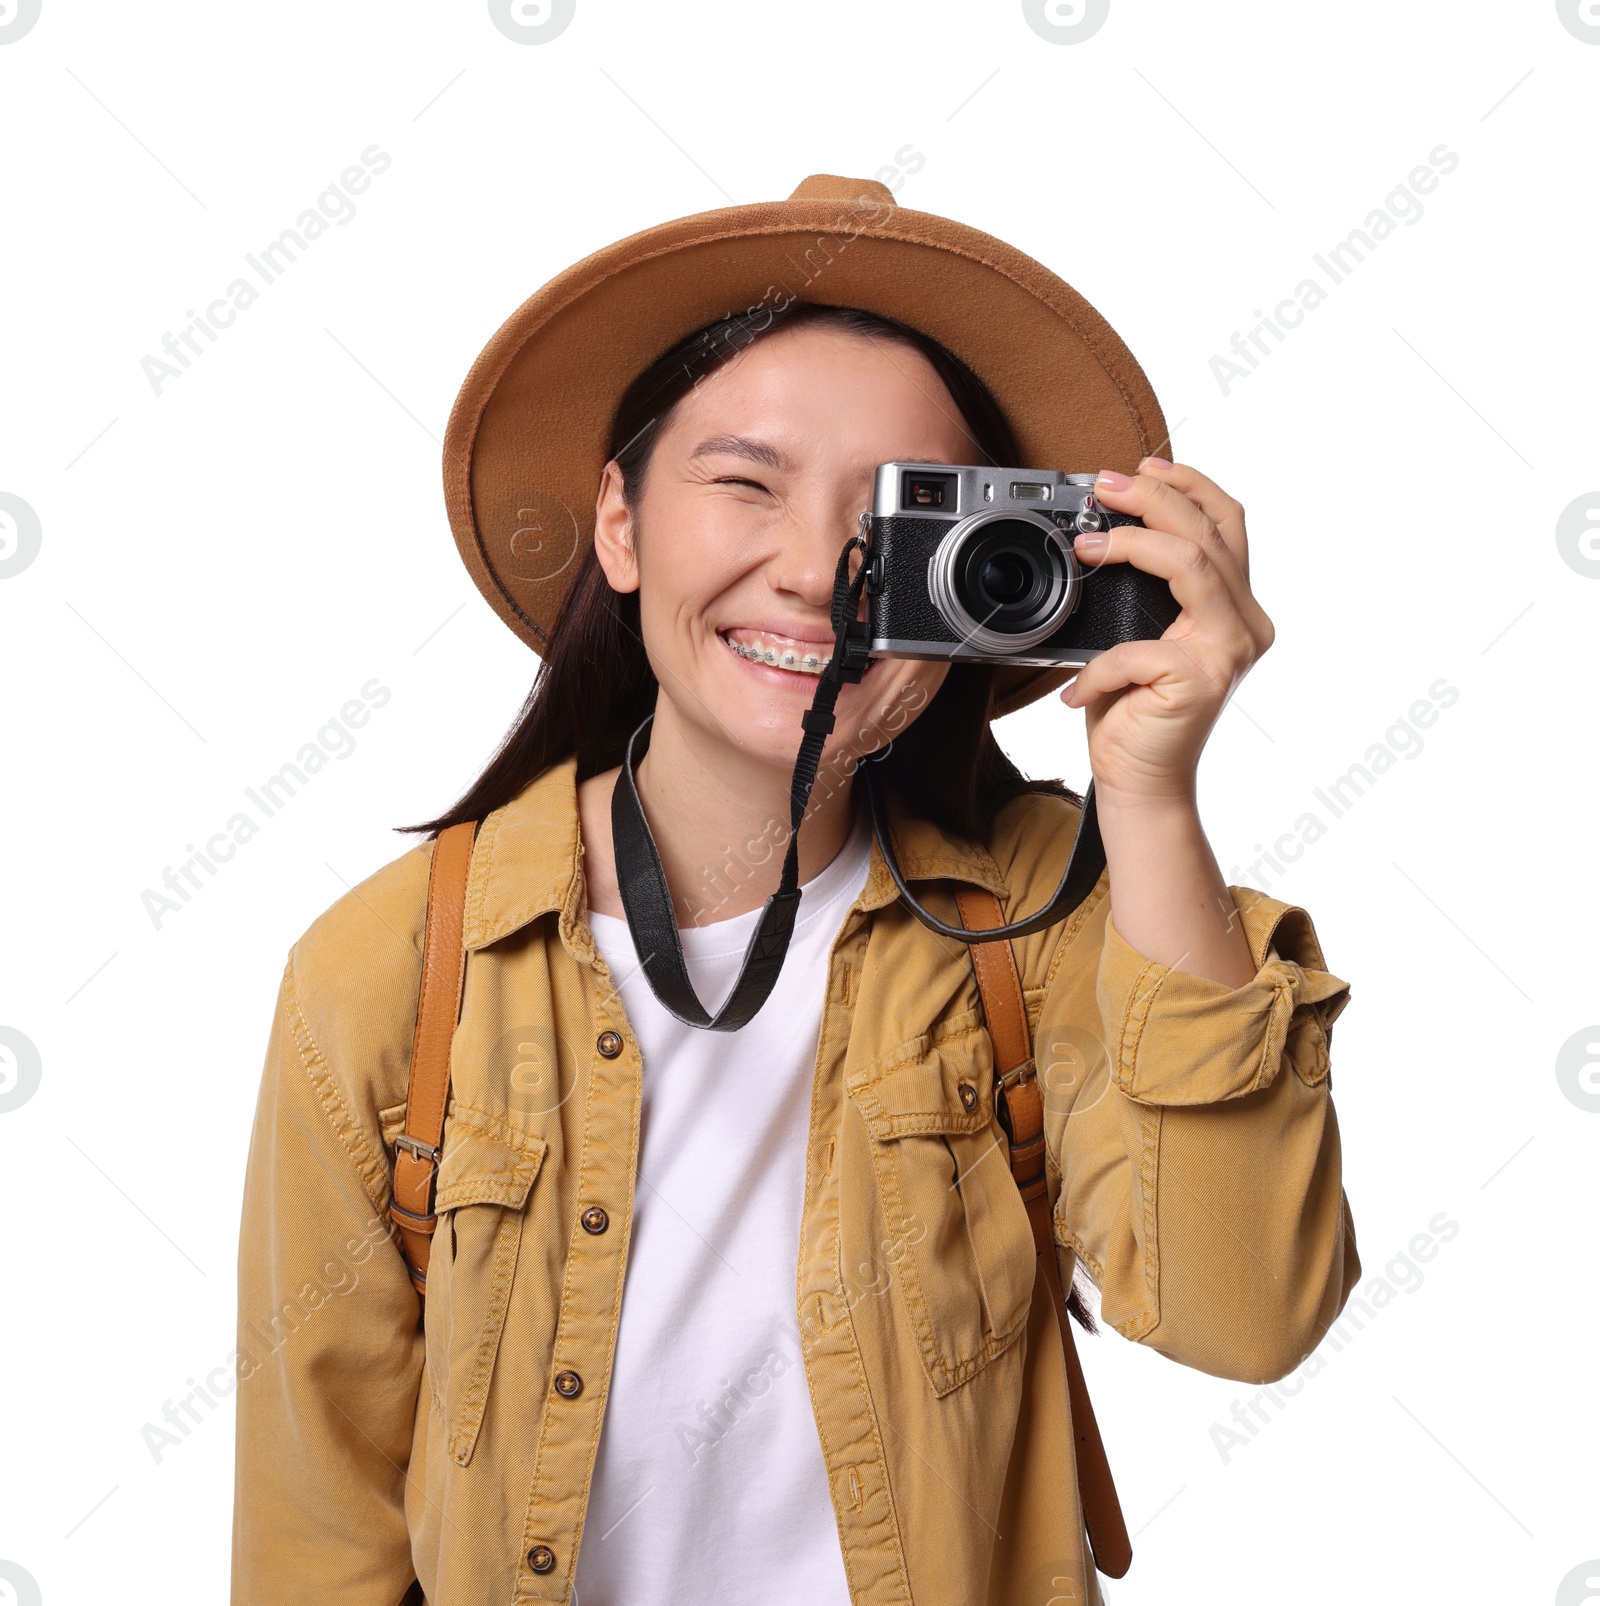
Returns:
<point x="710" y="1485"/>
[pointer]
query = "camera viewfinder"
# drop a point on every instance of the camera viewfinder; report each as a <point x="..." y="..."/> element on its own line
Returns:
<point x="928" y="491"/>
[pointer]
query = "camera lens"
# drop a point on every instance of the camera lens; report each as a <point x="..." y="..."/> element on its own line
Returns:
<point x="1003" y="581"/>
<point x="1006" y="574"/>
<point x="1006" y="577"/>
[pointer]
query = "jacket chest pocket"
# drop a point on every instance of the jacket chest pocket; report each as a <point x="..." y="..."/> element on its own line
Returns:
<point x="481" y="1196"/>
<point x="957" y="1230"/>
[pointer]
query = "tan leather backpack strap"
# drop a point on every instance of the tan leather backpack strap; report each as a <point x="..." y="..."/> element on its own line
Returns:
<point x="1017" y="1088"/>
<point x="444" y="963"/>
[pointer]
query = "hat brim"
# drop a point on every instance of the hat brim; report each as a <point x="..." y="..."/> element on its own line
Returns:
<point x="529" y="433"/>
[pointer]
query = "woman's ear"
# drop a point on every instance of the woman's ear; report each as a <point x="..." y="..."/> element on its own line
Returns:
<point x="613" y="532"/>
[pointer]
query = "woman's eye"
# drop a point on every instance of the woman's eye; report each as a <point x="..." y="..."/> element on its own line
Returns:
<point x="733" y="479"/>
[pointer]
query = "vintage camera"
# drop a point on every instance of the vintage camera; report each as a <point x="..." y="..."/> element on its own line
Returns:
<point x="977" y="565"/>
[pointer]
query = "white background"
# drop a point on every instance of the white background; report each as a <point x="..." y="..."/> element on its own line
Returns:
<point x="225" y="564"/>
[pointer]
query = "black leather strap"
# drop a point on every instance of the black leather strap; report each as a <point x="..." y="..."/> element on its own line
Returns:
<point x="647" y="900"/>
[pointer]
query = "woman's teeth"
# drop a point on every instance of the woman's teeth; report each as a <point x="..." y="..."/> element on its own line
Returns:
<point x="803" y="661"/>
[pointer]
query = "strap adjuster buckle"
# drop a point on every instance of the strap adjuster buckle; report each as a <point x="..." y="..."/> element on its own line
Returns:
<point x="417" y="1148"/>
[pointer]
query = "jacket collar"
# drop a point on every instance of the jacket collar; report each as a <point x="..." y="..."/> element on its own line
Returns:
<point x="528" y="861"/>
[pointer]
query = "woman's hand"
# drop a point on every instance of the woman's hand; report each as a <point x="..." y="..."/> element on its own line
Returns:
<point x="1150" y="705"/>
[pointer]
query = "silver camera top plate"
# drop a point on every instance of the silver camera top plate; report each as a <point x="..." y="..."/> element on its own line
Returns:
<point x="956" y="490"/>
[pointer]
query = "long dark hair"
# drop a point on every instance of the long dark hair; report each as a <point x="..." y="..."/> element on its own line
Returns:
<point x="594" y="684"/>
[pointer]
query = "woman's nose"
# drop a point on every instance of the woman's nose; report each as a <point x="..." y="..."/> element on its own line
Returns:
<point x="805" y="567"/>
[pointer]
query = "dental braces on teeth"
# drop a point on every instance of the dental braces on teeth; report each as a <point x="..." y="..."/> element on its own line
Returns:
<point x="787" y="658"/>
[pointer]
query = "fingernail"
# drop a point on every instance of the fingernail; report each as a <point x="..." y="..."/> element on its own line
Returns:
<point x="1090" y="540"/>
<point x="1110" y="480"/>
<point x="1157" y="462"/>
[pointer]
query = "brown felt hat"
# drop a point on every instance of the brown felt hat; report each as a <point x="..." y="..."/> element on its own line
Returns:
<point x="529" y="433"/>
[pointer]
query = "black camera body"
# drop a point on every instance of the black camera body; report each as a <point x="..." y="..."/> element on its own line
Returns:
<point x="976" y="565"/>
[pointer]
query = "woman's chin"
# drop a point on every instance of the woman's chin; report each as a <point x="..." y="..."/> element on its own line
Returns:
<point x="757" y="710"/>
<point x="765" y="725"/>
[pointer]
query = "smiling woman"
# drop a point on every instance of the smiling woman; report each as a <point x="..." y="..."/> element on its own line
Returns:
<point x="765" y="1304"/>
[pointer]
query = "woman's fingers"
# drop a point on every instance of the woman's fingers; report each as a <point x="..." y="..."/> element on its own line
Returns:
<point x="1163" y="506"/>
<point x="1183" y="544"/>
<point x="1160" y="505"/>
<point x="1211" y="499"/>
<point x="1194" y="579"/>
<point x="1179" y="670"/>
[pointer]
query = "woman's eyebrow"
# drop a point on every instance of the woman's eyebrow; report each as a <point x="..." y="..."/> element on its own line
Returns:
<point x="743" y="446"/>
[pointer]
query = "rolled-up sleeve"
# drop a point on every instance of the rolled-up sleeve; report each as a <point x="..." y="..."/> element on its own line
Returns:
<point x="1199" y="1156"/>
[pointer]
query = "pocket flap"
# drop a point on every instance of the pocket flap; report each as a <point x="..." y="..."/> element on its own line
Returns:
<point x="930" y="1087"/>
<point x="485" y="1161"/>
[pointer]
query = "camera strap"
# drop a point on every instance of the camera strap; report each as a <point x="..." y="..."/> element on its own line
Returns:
<point x="642" y="882"/>
<point x="647" y="900"/>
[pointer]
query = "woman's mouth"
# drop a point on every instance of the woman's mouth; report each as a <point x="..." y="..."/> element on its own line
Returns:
<point x="774" y="650"/>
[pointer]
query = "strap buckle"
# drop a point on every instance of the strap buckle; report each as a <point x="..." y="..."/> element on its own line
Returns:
<point x="1004" y="1081"/>
<point x="417" y="1148"/>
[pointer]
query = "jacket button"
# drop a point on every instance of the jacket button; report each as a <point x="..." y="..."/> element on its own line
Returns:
<point x="609" y="1044"/>
<point x="541" y="1558"/>
<point x="595" y="1219"/>
<point x="969" y="1096"/>
<point x="568" y="1385"/>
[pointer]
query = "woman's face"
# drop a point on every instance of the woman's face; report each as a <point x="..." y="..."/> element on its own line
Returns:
<point x="752" y="489"/>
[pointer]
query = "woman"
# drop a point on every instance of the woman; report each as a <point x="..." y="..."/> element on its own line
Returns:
<point x="722" y="1316"/>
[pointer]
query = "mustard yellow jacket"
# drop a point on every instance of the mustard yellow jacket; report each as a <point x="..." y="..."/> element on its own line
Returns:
<point x="1194" y="1167"/>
